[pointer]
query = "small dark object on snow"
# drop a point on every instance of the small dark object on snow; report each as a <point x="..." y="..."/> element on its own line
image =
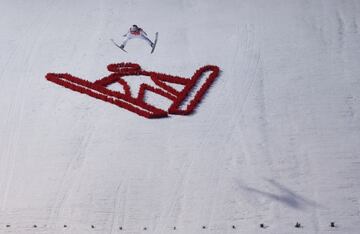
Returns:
<point x="174" y="228"/>
<point x="120" y="228"/>
<point x="7" y="225"/>
<point x="92" y="226"/>
<point x="262" y="225"/>
<point x="204" y="227"/>
<point x="145" y="228"/>
<point x="332" y="224"/>
<point x="298" y="225"/>
<point x="35" y="226"/>
<point x="65" y="226"/>
<point x="233" y="226"/>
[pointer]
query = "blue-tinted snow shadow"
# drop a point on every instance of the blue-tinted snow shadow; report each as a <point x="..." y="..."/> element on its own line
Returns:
<point x="285" y="196"/>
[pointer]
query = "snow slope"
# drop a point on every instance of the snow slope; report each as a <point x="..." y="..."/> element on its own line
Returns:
<point x="275" y="141"/>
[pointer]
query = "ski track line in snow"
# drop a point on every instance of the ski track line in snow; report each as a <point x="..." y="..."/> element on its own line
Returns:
<point x="113" y="224"/>
<point x="15" y="133"/>
<point x="8" y="157"/>
<point x="25" y="79"/>
<point x="71" y="177"/>
<point x="172" y="202"/>
<point x="248" y="66"/>
<point x="249" y="46"/>
<point x="253" y="68"/>
<point x="124" y="203"/>
<point x="179" y="194"/>
<point x="12" y="152"/>
<point x="75" y="167"/>
<point x="250" y="128"/>
<point x="248" y="87"/>
<point x="8" y="62"/>
<point x="340" y="31"/>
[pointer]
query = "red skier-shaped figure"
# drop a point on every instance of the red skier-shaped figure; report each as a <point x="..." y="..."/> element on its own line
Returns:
<point x="190" y="93"/>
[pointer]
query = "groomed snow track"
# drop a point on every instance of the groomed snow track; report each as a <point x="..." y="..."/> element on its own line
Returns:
<point x="275" y="140"/>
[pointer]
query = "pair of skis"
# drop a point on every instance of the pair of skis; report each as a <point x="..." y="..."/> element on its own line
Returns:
<point x="152" y="50"/>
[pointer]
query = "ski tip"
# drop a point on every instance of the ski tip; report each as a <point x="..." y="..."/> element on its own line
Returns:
<point x="155" y="42"/>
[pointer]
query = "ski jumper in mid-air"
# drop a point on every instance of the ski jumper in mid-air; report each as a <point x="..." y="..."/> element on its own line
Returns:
<point x="136" y="32"/>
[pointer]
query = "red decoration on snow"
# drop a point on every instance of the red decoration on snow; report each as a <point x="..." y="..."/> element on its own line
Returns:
<point x="138" y="105"/>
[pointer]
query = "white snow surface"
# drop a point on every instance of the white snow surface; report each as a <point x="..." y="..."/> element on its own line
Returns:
<point x="276" y="140"/>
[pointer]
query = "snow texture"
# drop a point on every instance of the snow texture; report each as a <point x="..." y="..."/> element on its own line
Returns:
<point x="276" y="140"/>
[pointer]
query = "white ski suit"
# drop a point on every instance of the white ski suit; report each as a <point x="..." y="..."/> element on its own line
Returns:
<point x="136" y="33"/>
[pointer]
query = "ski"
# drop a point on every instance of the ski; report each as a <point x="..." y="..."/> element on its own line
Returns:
<point x="117" y="45"/>
<point x="155" y="41"/>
